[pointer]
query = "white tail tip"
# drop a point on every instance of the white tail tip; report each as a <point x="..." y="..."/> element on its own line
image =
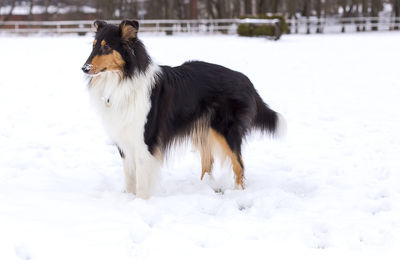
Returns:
<point x="281" y="128"/>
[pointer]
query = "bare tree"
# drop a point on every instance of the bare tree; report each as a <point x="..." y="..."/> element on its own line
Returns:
<point x="396" y="13"/>
<point x="30" y="9"/>
<point x="275" y="6"/>
<point x="12" y="7"/>
<point x="291" y="8"/>
<point x="357" y="13"/>
<point x="306" y="11"/>
<point x="106" y="9"/>
<point x="318" y="9"/>
<point x="169" y="9"/>
<point x="236" y="8"/>
<point x="262" y="6"/>
<point x="364" y="10"/>
<point x="376" y="6"/>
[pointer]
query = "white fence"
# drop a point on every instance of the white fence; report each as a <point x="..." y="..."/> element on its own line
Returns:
<point x="229" y="26"/>
<point x="337" y="25"/>
<point x="166" y="26"/>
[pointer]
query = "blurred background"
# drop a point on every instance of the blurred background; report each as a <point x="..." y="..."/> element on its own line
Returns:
<point x="225" y="16"/>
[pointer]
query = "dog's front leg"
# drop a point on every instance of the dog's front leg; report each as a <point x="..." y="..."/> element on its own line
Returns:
<point x="130" y="175"/>
<point x="147" y="171"/>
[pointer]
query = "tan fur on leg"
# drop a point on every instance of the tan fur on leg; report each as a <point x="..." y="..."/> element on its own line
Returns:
<point x="225" y="151"/>
<point x="206" y="165"/>
<point x="202" y="142"/>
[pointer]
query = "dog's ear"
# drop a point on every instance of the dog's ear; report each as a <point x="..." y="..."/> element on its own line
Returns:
<point x="99" y="24"/>
<point x="129" y="29"/>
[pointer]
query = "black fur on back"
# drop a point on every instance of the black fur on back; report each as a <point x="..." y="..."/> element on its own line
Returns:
<point x="218" y="97"/>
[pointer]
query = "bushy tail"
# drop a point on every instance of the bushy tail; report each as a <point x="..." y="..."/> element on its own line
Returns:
<point x="269" y="121"/>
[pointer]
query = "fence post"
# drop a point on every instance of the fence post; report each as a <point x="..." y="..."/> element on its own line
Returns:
<point x="374" y="23"/>
<point x="278" y="31"/>
<point x="343" y="26"/>
<point x="319" y="30"/>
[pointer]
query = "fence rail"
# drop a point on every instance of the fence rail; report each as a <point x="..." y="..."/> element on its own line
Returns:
<point x="229" y="26"/>
<point x="166" y="26"/>
<point x="348" y="24"/>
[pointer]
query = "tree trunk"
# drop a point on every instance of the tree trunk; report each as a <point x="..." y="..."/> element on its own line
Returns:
<point x="364" y="11"/>
<point x="306" y="13"/>
<point x="248" y="7"/>
<point x="220" y="6"/>
<point x="291" y="9"/>
<point x="7" y="17"/>
<point x="318" y="7"/>
<point x="344" y="7"/>
<point x="193" y="9"/>
<point x="396" y="13"/>
<point x="133" y="9"/>
<point x="46" y="8"/>
<point x="236" y="8"/>
<point x="210" y="9"/>
<point x="275" y="6"/>
<point x="168" y="9"/>
<point x="375" y="8"/>
<point x="30" y="9"/>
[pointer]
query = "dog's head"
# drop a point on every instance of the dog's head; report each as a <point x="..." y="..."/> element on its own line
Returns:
<point x="116" y="48"/>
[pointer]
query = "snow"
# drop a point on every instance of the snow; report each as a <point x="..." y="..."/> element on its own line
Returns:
<point x="329" y="190"/>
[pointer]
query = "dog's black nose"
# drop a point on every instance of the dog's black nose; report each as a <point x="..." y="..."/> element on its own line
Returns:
<point x="86" y="68"/>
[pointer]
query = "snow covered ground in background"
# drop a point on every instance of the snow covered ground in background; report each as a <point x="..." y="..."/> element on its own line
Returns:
<point x="329" y="190"/>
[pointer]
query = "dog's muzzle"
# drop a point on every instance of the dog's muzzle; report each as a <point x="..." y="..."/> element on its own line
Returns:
<point x="86" y="68"/>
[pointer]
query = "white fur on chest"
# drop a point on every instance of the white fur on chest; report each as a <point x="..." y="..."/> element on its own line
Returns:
<point x="123" y="106"/>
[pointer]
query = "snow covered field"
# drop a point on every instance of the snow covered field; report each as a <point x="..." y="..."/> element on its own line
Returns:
<point x="329" y="190"/>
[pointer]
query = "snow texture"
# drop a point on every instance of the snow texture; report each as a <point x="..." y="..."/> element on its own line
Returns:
<point x="329" y="190"/>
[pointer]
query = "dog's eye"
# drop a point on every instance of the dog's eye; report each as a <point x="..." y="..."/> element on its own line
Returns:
<point x="106" y="47"/>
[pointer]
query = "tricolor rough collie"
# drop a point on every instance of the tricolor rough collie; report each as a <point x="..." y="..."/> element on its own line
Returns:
<point x="147" y="108"/>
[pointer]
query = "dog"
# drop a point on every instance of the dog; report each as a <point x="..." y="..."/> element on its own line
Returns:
<point x="147" y="109"/>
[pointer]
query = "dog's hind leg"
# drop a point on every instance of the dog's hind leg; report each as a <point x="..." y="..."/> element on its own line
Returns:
<point x="202" y="140"/>
<point x="206" y="165"/>
<point x="225" y="151"/>
<point x="207" y="159"/>
<point x="238" y="170"/>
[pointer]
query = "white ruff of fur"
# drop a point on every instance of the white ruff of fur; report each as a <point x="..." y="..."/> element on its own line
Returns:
<point x="124" y="105"/>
